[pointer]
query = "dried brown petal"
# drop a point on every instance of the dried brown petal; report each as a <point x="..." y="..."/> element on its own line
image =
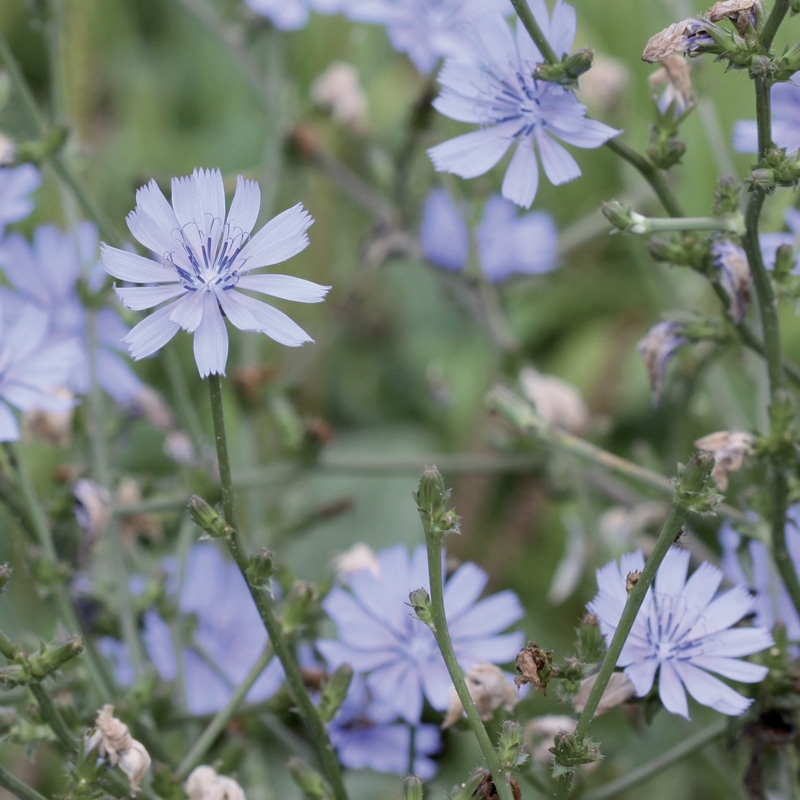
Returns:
<point x="680" y="37"/>
<point x="729" y="449"/>
<point x="535" y="666"/>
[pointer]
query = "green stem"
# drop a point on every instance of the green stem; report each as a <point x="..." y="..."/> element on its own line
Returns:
<point x="773" y="22"/>
<point x="433" y="541"/>
<point x="650" y="173"/>
<point x="780" y="551"/>
<point x="52" y="716"/>
<point x="17" y="787"/>
<point x="673" y="525"/>
<point x="525" y="419"/>
<point x="42" y="532"/>
<point x="223" y="716"/>
<point x="643" y="772"/>
<point x="657" y="224"/>
<point x="539" y="39"/>
<point x="264" y="603"/>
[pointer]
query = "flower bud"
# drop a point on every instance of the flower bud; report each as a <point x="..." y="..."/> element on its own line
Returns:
<point x="334" y="691"/>
<point x="412" y="788"/>
<point x="693" y="490"/>
<point x="570" y="752"/>
<point x="535" y="666"/>
<point x="50" y="658"/>
<point x="727" y="196"/>
<point x="591" y="645"/>
<point x="509" y="746"/>
<point x="567" y="72"/>
<point x="784" y="262"/>
<point x="313" y="785"/>
<point x="207" y="518"/>
<point x="432" y="498"/>
<point x="421" y="603"/>
<point x="260" y="568"/>
<point x="302" y="596"/>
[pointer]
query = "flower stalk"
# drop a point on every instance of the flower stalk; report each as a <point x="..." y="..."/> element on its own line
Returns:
<point x="265" y="606"/>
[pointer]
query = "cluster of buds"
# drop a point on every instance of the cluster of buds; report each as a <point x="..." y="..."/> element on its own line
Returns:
<point x="36" y="666"/>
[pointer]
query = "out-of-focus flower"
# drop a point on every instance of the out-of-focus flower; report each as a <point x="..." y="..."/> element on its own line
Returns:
<point x="785" y="107"/>
<point x="729" y="449"/>
<point x="493" y="86"/>
<point x="734" y="276"/>
<point x="47" y="274"/>
<point x="619" y="526"/>
<point x="683" y="632"/>
<point x="204" y="783"/>
<point x="618" y="691"/>
<point x="34" y="367"/>
<point x="290" y="15"/>
<point x="603" y="86"/>
<point x="426" y="30"/>
<point x="770" y="242"/>
<point x="140" y="525"/>
<point x="379" y="635"/>
<point x="675" y="75"/>
<point x="54" y="427"/>
<point x="93" y="508"/>
<point x="506" y="244"/>
<point x="114" y="743"/>
<point x="359" y="556"/>
<point x="338" y="89"/>
<point x="556" y="401"/>
<point x="8" y="152"/>
<point x="16" y="184"/>
<point x="657" y="348"/>
<point x="365" y="737"/>
<point x="490" y="689"/>
<point x="771" y="601"/>
<point x="204" y="260"/>
<point x="688" y="36"/>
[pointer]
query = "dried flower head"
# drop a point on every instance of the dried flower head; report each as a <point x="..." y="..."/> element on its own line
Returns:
<point x="729" y="449"/>
<point x="675" y="75"/>
<point x="743" y="13"/>
<point x="618" y="691"/>
<point x="657" y="348"/>
<point x="114" y="743"/>
<point x="489" y="688"/>
<point x="687" y="36"/>
<point x="338" y="89"/>
<point x="556" y="401"/>
<point x="734" y="276"/>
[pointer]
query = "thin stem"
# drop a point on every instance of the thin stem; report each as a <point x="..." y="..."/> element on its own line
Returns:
<point x="442" y="634"/>
<point x="17" y="787"/>
<point x="524" y="418"/>
<point x="643" y="772"/>
<point x="52" y="716"/>
<point x="773" y="22"/>
<point x="223" y="716"/>
<point x="650" y="173"/>
<point x="264" y="604"/>
<point x="673" y="525"/>
<point x="780" y="551"/>
<point x="539" y="39"/>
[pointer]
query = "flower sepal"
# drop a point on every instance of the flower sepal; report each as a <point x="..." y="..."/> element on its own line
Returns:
<point x="509" y="745"/>
<point x="569" y="752"/>
<point x="334" y="691"/>
<point x="694" y="487"/>
<point x="312" y="784"/>
<point x="421" y="604"/>
<point x="567" y="72"/>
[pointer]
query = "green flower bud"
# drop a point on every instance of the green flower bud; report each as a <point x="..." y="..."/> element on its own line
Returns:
<point x="764" y="179"/>
<point x="334" y="690"/>
<point x="302" y="597"/>
<point x="39" y="150"/>
<point x="509" y="746"/>
<point x="412" y="788"/>
<point x="207" y="518"/>
<point x="784" y="262"/>
<point x="727" y="196"/>
<point x="261" y="568"/>
<point x="694" y="485"/>
<point x="432" y="498"/>
<point x="313" y="785"/>
<point x="568" y="71"/>
<point x="591" y="644"/>
<point x="53" y="656"/>
<point x="570" y="752"/>
<point x="421" y="603"/>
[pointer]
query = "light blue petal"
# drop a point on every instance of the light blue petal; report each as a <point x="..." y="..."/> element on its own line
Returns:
<point x="522" y="176"/>
<point x="117" y="378"/>
<point x="285" y="287"/>
<point x="282" y="237"/>
<point x="132" y="267"/>
<point x="642" y="674"/>
<point x="211" y="339"/>
<point x="151" y="334"/>
<point x="471" y="154"/>
<point x="710" y="691"/>
<point x="244" y="207"/>
<point x="733" y="668"/>
<point x="187" y="311"/>
<point x="745" y="136"/>
<point x="559" y="166"/>
<point x="153" y="222"/>
<point x="141" y="297"/>
<point x="9" y="430"/>
<point x="269" y="320"/>
<point x="671" y="575"/>
<point x="589" y="134"/>
<point x="199" y="203"/>
<point x="444" y="236"/>
<point x="670" y="688"/>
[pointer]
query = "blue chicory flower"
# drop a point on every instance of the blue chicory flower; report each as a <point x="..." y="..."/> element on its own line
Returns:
<point x="657" y="348"/>
<point x="227" y="639"/>
<point x="34" y="366"/>
<point x="46" y="274"/>
<point x="365" y="740"/>
<point x="16" y="183"/>
<point x="203" y="262"/>
<point x="507" y="244"/>
<point x="771" y="601"/>
<point x="494" y="87"/>
<point x="683" y="631"/>
<point x="380" y="637"/>
<point x="427" y="30"/>
<point x="734" y="276"/>
<point x="785" y="109"/>
<point x="291" y="15"/>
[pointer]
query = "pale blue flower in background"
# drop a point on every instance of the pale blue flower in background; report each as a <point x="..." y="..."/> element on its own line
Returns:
<point x="683" y="631"/>
<point x="771" y="600"/>
<point x="16" y="184"/>
<point x="507" y="244"/>
<point x="427" y="30"/>
<point x="34" y="366"/>
<point x="365" y="739"/>
<point x="203" y="262"/>
<point x="785" y="109"/>
<point x="657" y="347"/>
<point x="380" y="637"/>
<point x="290" y="15"/>
<point x="734" y="276"/>
<point x="226" y="640"/>
<point x="770" y="242"/>
<point x="46" y="273"/>
<point x="494" y="87"/>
